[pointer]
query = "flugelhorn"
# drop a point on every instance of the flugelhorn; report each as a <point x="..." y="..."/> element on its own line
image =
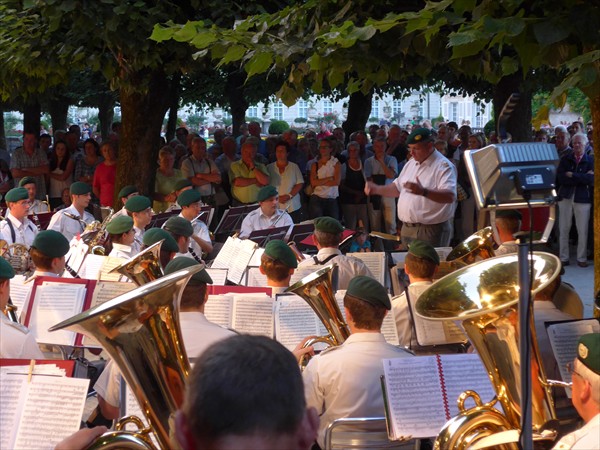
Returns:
<point x="143" y="267"/>
<point x="140" y="330"/>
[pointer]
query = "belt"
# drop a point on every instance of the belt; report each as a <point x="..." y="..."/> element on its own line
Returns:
<point x="422" y="224"/>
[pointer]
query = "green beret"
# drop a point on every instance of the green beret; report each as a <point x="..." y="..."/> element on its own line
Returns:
<point x="369" y="290"/>
<point x="588" y="351"/>
<point x="6" y="270"/>
<point x="179" y="225"/>
<point x="182" y="183"/>
<point x="138" y="203"/>
<point x="186" y="198"/>
<point x="424" y="250"/>
<point x="328" y="225"/>
<point x="509" y="213"/>
<point x="26" y="180"/>
<point x="80" y="188"/>
<point x="181" y="262"/>
<point x="120" y="225"/>
<point x="280" y="251"/>
<point x="16" y="194"/>
<point x="266" y="193"/>
<point x="51" y="243"/>
<point x="419" y="135"/>
<point x="128" y="190"/>
<point x="153" y="235"/>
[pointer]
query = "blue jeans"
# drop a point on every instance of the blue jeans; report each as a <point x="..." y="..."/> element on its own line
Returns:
<point x="318" y="207"/>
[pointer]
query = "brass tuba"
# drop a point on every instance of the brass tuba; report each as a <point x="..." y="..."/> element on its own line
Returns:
<point x="143" y="267"/>
<point x="484" y="298"/>
<point x="140" y="331"/>
<point x="477" y="247"/>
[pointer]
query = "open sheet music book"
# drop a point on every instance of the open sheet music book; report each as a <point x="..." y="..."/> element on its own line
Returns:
<point x="218" y="276"/>
<point x="40" y="411"/>
<point x="235" y="256"/>
<point x="251" y="313"/>
<point x="98" y="267"/>
<point x="375" y="261"/>
<point x="421" y="392"/>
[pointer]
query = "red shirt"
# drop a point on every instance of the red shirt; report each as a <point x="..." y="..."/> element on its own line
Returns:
<point x="104" y="182"/>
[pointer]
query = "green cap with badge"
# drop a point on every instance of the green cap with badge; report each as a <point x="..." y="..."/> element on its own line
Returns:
<point x="128" y="190"/>
<point x="51" y="243"/>
<point x="6" y="270"/>
<point x="424" y="250"/>
<point x="180" y="226"/>
<point x="26" y="180"/>
<point x="369" y="290"/>
<point x="186" y="198"/>
<point x="182" y="183"/>
<point x="16" y="194"/>
<point x="266" y="193"/>
<point x="153" y="235"/>
<point x="588" y="351"/>
<point x="328" y="224"/>
<point x="80" y="188"/>
<point x="509" y="213"/>
<point x="419" y="135"/>
<point x="138" y="203"/>
<point x="280" y="251"/>
<point x="181" y="262"/>
<point x="120" y="225"/>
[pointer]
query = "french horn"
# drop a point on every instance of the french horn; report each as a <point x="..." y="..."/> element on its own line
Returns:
<point x="17" y="256"/>
<point x="484" y="297"/>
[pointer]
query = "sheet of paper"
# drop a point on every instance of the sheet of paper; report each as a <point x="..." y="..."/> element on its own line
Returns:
<point x="389" y="330"/>
<point x="76" y="255"/>
<point x="218" y="309"/>
<point x="109" y="264"/>
<point x="219" y="276"/>
<point x="239" y="264"/>
<point x="398" y="257"/>
<point x="19" y="291"/>
<point x="294" y="320"/>
<point x="375" y="261"/>
<point x="226" y="254"/>
<point x="10" y="393"/>
<point x="257" y="279"/>
<point x="255" y="260"/>
<point x="253" y="314"/>
<point x="91" y="267"/>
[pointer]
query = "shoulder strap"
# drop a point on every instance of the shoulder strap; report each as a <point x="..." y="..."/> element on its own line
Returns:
<point x="12" y="230"/>
<point x="325" y="261"/>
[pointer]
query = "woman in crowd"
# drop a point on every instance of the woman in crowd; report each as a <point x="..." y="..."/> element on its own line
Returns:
<point x="61" y="171"/>
<point x="166" y="177"/>
<point x="6" y="178"/>
<point x="325" y="177"/>
<point x="103" y="184"/>
<point x="352" y="187"/>
<point x="288" y="180"/>
<point x="86" y="166"/>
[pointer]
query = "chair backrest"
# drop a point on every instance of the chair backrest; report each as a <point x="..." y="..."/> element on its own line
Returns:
<point x="363" y="433"/>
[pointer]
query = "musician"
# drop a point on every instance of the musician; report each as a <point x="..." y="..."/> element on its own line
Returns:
<point x="246" y="392"/>
<point x="71" y="221"/>
<point x="17" y="228"/>
<point x="344" y="381"/>
<point x="16" y="341"/>
<point x="327" y="237"/>
<point x="48" y="251"/>
<point x="268" y="215"/>
<point x="278" y="263"/>
<point x="585" y="371"/>
<point x="190" y="202"/>
<point x="121" y="236"/>
<point x="181" y="230"/>
<point x="197" y="331"/>
<point x="420" y="265"/>
<point x="169" y="247"/>
<point x="508" y="222"/>
<point x="125" y="194"/>
<point x="37" y="206"/>
<point x="139" y="208"/>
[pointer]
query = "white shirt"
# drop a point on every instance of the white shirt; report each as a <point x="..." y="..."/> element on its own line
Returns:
<point x="256" y="220"/>
<point x="121" y="251"/>
<point x="285" y="182"/>
<point x="67" y="226"/>
<point x="402" y="315"/>
<point x="24" y="232"/>
<point x="344" y="381"/>
<point x="37" y="207"/>
<point x="586" y="438"/>
<point x="137" y="243"/>
<point x="348" y="267"/>
<point x="325" y="171"/>
<point x="200" y="230"/>
<point x="17" y="342"/>
<point x="435" y="173"/>
<point x="121" y="212"/>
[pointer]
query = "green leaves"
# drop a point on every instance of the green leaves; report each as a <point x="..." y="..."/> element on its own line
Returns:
<point x="259" y="63"/>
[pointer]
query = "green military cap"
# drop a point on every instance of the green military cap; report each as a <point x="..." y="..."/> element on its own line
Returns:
<point x="16" y="194"/>
<point x="80" y="188"/>
<point x="128" y="190"/>
<point x="369" y="290"/>
<point x="509" y="213"/>
<point x="182" y="183"/>
<point x="6" y="270"/>
<point x="424" y="250"/>
<point x="186" y="198"/>
<point x="26" y="180"/>
<point x="328" y="225"/>
<point x="588" y="351"/>
<point x="138" y="203"/>
<point x="266" y="193"/>
<point x="120" y="225"/>
<point x="153" y="235"/>
<point x="51" y="243"/>
<point x="181" y="262"/>
<point x="280" y="251"/>
<point x="179" y="225"/>
<point x="419" y="135"/>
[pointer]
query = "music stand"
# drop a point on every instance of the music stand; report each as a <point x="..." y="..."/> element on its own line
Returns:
<point x="262" y="237"/>
<point x="43" y="218"/>
<point x="207" y="212"/>
<point x="232" y="219"/>
<point x="301" y="232"/>
<point x="158" y="220"/>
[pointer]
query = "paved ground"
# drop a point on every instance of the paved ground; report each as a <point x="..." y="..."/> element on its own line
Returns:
<point x="582" y="280"/>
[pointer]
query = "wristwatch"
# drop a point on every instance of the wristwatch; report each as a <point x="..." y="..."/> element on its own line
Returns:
<point x="425" y="192"/>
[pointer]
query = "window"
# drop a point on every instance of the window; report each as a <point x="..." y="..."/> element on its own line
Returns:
<point x="278" y="110"/>
<point x="454" y="111"/>
<point x="396" y="108"/>
<point x="303" y="109"/>
<point x="327" y="106"/>
<point x="375" y="108"/>
<point x="252" y="111"/>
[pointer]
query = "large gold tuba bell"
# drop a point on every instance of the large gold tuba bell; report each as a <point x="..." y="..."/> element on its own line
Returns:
<point x="477" y="247"/>
<point x="484" y="297"/>
<point x="143" y="267"/>
<point x="140" y="331"/>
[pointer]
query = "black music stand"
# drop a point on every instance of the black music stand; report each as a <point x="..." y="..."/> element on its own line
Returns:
<point x="301" y="232"/>
<point x="43" y="218"/>
<point x="232" y="220"/>
<point x="158" y="220"/>
<point x="207" y="212"/>
<point x="262" y="237"/>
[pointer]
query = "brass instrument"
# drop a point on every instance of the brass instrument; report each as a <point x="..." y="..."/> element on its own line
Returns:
<point x="477" y="247"/>
<point x="47" y="203"/>
<point x="95" y="234"/>
<point x="141" y="332"/>
<point x="17" y="256"/>
<point x="143" y="267"/>
<point x="299" y="256"/>
<point x="484" y="297"/>
<point x="317" y="290"/>
<point x="10" y="311"/>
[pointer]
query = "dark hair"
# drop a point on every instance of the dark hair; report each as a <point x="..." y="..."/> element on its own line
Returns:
<point x="244" y="385"/>
<point x="193" y="296"/>
<point x="419" y="267"/>
<point x="94" y="143"/>
<point x="327" y="239"/>
<point x="509" y="224"/>
<point x="54" y="163"/>
<point x="274" y="269"/>
<point x="40" y="260"/>
<point x="365" y="315"/>
<point x="282" y="143"/>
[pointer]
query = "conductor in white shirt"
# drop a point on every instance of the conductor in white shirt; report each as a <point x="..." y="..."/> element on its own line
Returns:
<point x="268" y="215"/>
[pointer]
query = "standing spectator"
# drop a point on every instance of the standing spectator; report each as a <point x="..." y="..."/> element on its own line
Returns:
<point x="201" y="171"/>
<point x="352" y="186"/>
<point x="576" y="177"/>
<point x="105" y="175"/>
<point x="6" y="179"/>
<point x="288" y="180"/>
<point x="30" y="161"/>
<point x="86" y="166"/>
<point x="247" y="176"/>
<point x="325" y="177"/>
<point x="261" y="147"/>
<point x="382" y="169"/>
<point x="61" y="171"/>
<point x="323" y="131"/>
<point x="166" y="177"/>
<point x="561" y="140"/>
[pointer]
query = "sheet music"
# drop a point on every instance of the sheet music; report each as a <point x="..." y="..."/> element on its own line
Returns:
<point x="226" y="254"/>
<point x="294" y="320"/>
<point x="253" y="314"/>
<point x="255" y="260"/>
<point x="257" y="279"/>
<point x="110" y="262"/>
<point x="375" y="261"/>
<point x="218" y="309"/>
<point x="76" y="255"/>
<point x="219" y="276"/>
<point x="10" y="390"/>
<point x="240" y="262"/>
<point x="389" y="330"/>
<point x="54" y="303"/>
<point x="398" y="257"/>
<point x="19" y="291"/>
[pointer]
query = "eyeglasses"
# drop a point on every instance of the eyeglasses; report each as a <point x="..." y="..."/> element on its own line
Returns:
<point x="572" y="370"/>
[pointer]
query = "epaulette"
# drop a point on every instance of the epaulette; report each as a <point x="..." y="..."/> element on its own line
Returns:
<point x="330" y="349"/>
<point x="22" y="328"/>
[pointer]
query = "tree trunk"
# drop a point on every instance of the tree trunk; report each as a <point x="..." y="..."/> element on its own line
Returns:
<point x="595" y="110"/>
<point x="31" y="116"/>
<point x="519" y="123"/>
<point x="359" y="111"/>
<point x="106" y="114"/>
<point x="142" y="115"/>
<point x="173" y="109"/>
<point x="58" y="108"/>
<point x="237" y="100"/>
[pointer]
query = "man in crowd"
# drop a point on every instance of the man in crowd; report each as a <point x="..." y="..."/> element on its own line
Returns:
<point x="261" y="146"/>
<point x="426" y="191"/>
<point x="36" y="206"/>
<point x="16" y="228"/>
<point x="344" y="381"/>
<point x="562" y="138"/>
<point x="267" y="215"/>
<point x="201" y="171"/>
<point x="247" y="176"/>
<point x="139" y="207"/>
<point x="278" y="263"/>
<point x="190" y="208"/>
<point x="508" y="223"/>
<point x="30" y="161"/>
<point x="71" y="221"/>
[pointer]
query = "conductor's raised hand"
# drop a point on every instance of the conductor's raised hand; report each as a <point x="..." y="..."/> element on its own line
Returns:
<point x="414" y="187"/>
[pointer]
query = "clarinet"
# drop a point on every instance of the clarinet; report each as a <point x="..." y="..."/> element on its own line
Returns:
<point x="194" y="255"/>
<point x="71" y="271"/>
